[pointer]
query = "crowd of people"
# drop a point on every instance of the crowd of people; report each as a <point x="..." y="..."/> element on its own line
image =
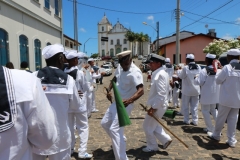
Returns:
<point x="40" y="111"/>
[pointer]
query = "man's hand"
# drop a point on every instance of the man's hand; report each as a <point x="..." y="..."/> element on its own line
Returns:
<point x="151" y="111"/>
<point x="126" y="102"/>
<point x="80" y="94"/>
<point x="44" y="88"/>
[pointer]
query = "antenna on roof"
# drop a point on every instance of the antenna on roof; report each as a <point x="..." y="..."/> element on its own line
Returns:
<point x="206" y="26"/>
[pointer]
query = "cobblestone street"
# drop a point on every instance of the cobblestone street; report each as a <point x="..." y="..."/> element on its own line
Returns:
<point x="200" y="146"/>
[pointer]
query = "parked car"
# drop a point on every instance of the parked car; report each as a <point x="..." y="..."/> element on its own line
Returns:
<point x="108" y="63"/>
<point x="140" y="57"/>
<point x="106" y="58"/>
<point x="108" y="70"/>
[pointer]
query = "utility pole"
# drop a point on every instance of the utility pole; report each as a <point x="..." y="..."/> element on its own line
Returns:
<point x="157" y="27"/>
<point x="75" y="24"/>
<point x="177" y="32"/>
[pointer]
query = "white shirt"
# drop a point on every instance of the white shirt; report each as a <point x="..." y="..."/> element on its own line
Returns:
<point x="82" y="85"/>
<point x="61" y="104"/>
<point x="34" y="126"/>
<point x="209" y="88"/>
<point x="169" y="71"/>
<point x="187" y="76"/>
<point x="149" y="72"/>
<point x="229" y="81"/>
<point x="158" y="95"/>
<point x="127" y="81"/>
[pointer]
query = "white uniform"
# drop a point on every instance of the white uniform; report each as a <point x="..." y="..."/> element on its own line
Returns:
<point x="170" y="72"/>
<point x="157" y="99"/>
<point x="79" y="116"/>
<point x="176" y="91"/>
<point x="63" y="100"/>
<point x="209" y="96"/>
<point x="229" y="102"/>
<point x="190" y="93"/>
<point x="126" y="84"/>
<point x="34" y="127"/>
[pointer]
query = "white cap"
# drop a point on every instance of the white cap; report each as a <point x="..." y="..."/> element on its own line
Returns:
<point x="71" y="54"/>
<point x="123" y="54"/>
<point x="212" y="56"/>
<point x="90" y="59"/>
<point x="234" y="52"/>
<point x="190" y="56"/>
<point x="81" y="55"/>
<point x="174" y="76"/>
<point x="167" y="60"/>
<point x="51" y="50"/>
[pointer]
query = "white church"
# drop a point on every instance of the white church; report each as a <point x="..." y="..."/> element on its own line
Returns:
<point x="117" y="41"/>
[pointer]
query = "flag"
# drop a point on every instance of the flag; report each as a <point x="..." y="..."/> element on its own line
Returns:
<point x="123" y="118"/>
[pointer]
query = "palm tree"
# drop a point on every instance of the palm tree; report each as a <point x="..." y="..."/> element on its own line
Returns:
<point x="130" y="37"/>
<point x="142" y="38"/>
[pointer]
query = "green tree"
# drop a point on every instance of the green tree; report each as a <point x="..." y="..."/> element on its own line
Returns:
<point x="95" y="55"/>
<point x="131" y="37"/>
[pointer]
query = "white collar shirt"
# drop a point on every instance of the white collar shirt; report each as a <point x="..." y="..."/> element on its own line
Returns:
<point x="35" y="126"/>
<point x="158" y="95"/>
<point x="229" y="79"/>
<point x="127" y="81"/>
<point x="209" y="88"/>
<point x="62" y="104"/>
<point x="187" y="76"/>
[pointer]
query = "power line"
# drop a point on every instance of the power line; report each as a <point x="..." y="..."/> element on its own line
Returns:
<point x="127" y="12"/>
<point x="207" y="22"/>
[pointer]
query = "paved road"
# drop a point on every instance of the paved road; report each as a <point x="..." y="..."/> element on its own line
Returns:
<point x="200" y="146"/>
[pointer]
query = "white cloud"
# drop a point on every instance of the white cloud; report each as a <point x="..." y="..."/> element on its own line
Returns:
<point x="82" y="30"/>
<point x="238" y="20"/>
<point x="227" y="36"/>
<point x="151" y="18"/>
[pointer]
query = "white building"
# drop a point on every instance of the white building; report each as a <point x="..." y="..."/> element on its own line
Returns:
<point x="26" y="27"/>
<point x="117" y="41"/>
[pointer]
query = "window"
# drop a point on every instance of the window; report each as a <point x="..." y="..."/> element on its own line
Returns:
<point x="118" y="41"/>
<point x="48" y="44"/>
<point x="38" y="56"/>
<point x="102" y="28"/>
<point x="103" y="53"/>
<point x="124" y="49"/>
<point x="66" y="43"/>
<point x="112" y="52"/>
<point x="57" y="7"/>
<point x="111" y="42"/>
<point x="47" y="4"/>
<point x="3" y="47"/>
<point x="71" y="45"/>
<point x="124" y="41"/>
<point x="23" y="46"/>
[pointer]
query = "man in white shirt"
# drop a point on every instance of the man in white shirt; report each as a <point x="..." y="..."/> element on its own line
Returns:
<point x="209" y="91"/>
<point x="80" y="115"/>
<point x="158" y="100"/>
<point x="190" y="91"/>
<point x="229" y="98"/>
<point x="129" y="82"/>
<point x="169" y="68"/>
<point x="62" y="95"/>
<point x="27" y="121"/>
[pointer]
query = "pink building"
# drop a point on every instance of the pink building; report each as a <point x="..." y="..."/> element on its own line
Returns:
<point x="189" y="43"/>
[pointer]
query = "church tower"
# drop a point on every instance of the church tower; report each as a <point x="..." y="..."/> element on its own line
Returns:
<point x="104" y="26"/>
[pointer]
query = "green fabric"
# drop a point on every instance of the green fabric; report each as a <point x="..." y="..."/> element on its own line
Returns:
<point x="170" y="114"/>
<point x="123" y="117"/>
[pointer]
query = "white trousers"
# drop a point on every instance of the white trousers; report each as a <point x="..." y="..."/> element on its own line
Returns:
<point x="64" y="155"/>
<point x="153" y="130"/>
<point x="206" y="110"/>
<point x="231" y="115"/>
<point x="81" y="120"/>
<point x="89" y="102"/>
<point x="111" y="126"/>
<point x="170" y="94"/>
<point x="175" y="96"/>
<point x="192" y="102"/>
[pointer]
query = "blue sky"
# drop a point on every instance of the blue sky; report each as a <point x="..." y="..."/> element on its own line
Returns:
<point x="224" y="15"/>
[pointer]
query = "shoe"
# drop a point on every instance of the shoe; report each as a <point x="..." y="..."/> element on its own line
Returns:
<point x="72" y="150"/>
<point x="205" y="130"/>
<point x="194" y="123"/>
<point x="95" y="110"/>
<point x="187" y="123"/>
<point x="210" y="135"/>
<point x="146" y="149"/>
<point x="232" y="146"/>
<point x="167" y="144"/>
<point x="179" y="114"/>
<point x="86" y="155"/>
